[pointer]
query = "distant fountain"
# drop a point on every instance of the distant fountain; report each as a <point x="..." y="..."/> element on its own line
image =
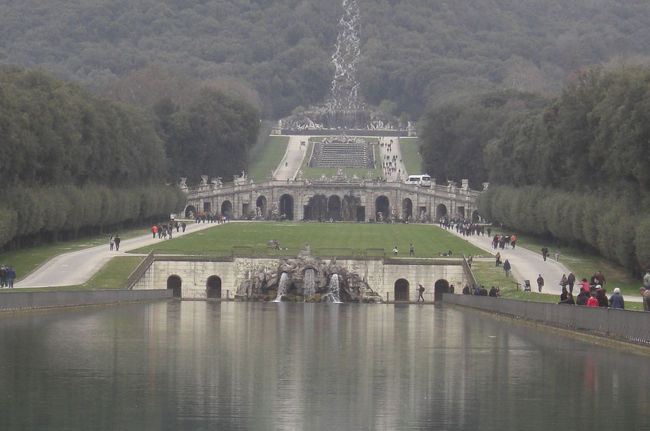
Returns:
<point x="343" y="110"/>
<point x="310" y="283"/>
<point x="283" y="287"/>
<point x="332" y="294"/>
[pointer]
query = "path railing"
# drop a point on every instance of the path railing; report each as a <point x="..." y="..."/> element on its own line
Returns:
<point x="139" y="271"/>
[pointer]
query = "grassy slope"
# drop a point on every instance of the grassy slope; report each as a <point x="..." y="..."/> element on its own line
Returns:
<point x="266" y="156"/>
<point x="411" y="155"/>
<point x="324" y="238"/>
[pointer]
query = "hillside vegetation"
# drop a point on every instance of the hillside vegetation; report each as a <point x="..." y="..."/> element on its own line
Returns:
<point x="415" y="53"/>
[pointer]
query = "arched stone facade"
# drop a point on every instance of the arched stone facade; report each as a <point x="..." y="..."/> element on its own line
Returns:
<point x="345" y="200"/>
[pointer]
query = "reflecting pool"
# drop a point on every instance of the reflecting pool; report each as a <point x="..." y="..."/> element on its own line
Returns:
<point x="282" y="366"/>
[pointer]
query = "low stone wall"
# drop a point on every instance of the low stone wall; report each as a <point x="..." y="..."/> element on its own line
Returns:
<point x="12" y="301"/>
<point x="630" y="325"/>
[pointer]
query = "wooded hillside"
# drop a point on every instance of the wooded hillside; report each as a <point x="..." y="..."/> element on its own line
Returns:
<point x="414" y="52"/>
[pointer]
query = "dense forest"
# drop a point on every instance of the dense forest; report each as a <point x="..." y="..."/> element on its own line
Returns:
<point x="415" y="53"/>
<point x="73" y="162"/>
<point x="575" y="168"/>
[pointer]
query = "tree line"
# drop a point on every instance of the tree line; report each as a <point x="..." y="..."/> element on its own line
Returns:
<point x="575" y="167"/>
<point x="74" y="162"/>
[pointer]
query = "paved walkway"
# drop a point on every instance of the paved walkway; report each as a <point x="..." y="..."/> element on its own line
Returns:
<point x="397" y="171"/>
<point x="293" y="157"/>
<point x="527" y="265"/>
<point x="77" y="267"/>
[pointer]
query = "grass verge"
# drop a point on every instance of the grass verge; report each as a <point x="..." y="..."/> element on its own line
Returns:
<point x="410" y="151"/>
<point x="266" y="156"/>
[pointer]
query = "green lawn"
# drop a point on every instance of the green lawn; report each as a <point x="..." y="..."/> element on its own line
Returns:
<point x="411" y="155"/>
<point x="315" y="173"/>
<point x="487" y="274"/>
<point x="339" y="239"/>
<point x="27" y="260"/>
<point x="266" y="156"/>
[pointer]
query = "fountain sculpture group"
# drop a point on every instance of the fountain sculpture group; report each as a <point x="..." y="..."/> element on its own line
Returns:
<point x="305" y="279"/>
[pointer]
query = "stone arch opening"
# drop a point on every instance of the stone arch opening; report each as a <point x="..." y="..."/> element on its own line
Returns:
<point x="316" y="208"/>
<point x="213" y="287"/>
<point x="407" y="209"/>
<point x="190" y="211"/>
<point x="382" y="208"/>
<point x="226" y="209"/>
<point x="475" y="217"/>
<point x="441" y="286"/>
<point x="461" y="212"/>
<point x="334" y="207"/>
<point x="350" y="208"/>
<point x="401" y="290"/>
<point x="262" y="205"/>
<point x="207" y="207"/>
<point x="175" y="283"/>
<point x="441" y="211"/>
<point x="286" y="207"/>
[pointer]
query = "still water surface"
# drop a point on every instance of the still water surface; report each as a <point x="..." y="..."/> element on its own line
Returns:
<point x="251" y="366"/>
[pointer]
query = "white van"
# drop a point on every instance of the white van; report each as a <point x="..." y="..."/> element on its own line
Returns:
<point x="420" y="180"/>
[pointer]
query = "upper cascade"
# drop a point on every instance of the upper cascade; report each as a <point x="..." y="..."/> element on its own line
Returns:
<point x="343" y="110"/>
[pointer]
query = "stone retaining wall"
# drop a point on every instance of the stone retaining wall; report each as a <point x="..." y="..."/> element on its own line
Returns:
<point x="13" y="301"/>
<point x="380" y="275"/>
<point x="630" y="325"/>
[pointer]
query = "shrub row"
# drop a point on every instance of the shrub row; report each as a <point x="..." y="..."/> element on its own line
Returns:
<point x="56" y="209"/>
<point x="612" y="224"/>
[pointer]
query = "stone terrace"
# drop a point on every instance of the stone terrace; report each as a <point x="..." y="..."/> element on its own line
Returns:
<point x="342" y="154"/>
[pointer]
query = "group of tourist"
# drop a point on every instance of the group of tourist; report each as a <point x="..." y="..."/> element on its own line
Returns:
<point x="494" y="291"/>
<point x="7" y="276"/>
<point x="503" y="241"/>
<point x="163" y="230"/>
<point x="210" y="218"/>
<point x="592" y="294"/>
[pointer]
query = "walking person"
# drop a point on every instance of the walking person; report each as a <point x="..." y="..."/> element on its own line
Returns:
<point x="507" y="267"/>
<point x="544" y="253"/>
<point x="117" y="242"/>
<point x="411" y="250"/>
<point x="540" y="283"/>
<point x="571" y="280"/>
<point x="111" y="243"/>
<point x="420" y="292"/>
<point x="11" y="276"/>
<point x="154" y="229"/>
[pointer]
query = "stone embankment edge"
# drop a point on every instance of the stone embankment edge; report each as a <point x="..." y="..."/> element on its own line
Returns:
<point x="25" y="301"/>
<point x="585" y="323"/>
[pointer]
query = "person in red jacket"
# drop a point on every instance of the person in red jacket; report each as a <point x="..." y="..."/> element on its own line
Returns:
<point x="154" y="229"/>
<point x="592" y="302"/>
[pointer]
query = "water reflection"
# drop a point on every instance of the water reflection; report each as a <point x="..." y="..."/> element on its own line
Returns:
<point x="286" y="366"/>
